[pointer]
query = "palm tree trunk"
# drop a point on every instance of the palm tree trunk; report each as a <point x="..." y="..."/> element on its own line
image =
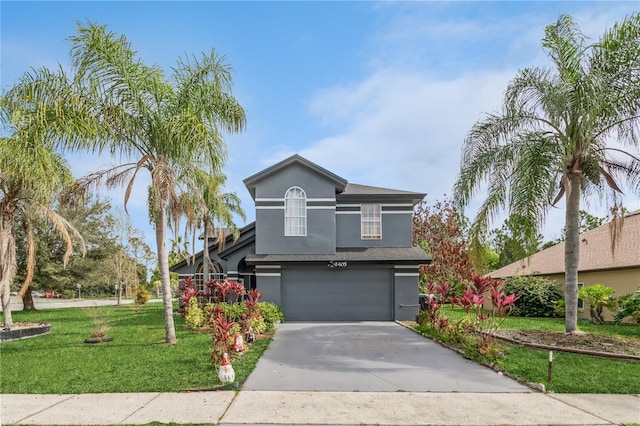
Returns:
<point x="8" y="268"/>
<point x="27" y="300"/>
<point x="572" y="253"/>
<point x="206" y="265"/>
<point x="163" y="266"/>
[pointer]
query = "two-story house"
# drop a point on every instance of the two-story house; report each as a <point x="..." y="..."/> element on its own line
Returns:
<point x="324" y="249"/>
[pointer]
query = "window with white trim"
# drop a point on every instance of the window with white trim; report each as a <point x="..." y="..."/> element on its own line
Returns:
<point x="371" y="221"/>
<point x="295" y="212"/>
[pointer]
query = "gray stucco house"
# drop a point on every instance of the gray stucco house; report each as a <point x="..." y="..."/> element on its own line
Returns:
<point x="324" y="249"/>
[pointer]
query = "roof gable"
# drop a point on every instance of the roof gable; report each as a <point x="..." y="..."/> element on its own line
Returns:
<point x="296" y="159"/>
<point x="247" y="232"/>
<point x="595" y="253"/>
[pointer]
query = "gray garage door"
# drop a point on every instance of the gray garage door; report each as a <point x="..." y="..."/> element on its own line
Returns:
<point x="337" y="295"/>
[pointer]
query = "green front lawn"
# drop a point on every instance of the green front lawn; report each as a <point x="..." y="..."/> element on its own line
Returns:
<point x="135" y="361"/>
<point x="572" y="373"/>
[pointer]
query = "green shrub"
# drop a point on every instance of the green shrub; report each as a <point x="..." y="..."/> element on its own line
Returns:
<point x="628" y="306"/>
<point x="194" y="318"/>
<point x="142" y="295"/>
<point x="271" y="313"/>
<point x="258" y="324"/>
<point x="538" y="296"/>
<point x="559" y="307"/>
<point x="68" y="294"/>
<point x="234" y="311"/>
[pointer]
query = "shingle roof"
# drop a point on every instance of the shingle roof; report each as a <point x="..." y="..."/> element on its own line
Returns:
<point x="595" y="252"/>
<point x="355" y="192"/>
<point x="357" y="254"/>
<point x="356" y="189"/>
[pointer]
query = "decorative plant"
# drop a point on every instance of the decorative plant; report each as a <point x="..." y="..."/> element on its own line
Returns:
<point x="628" y="306"/>
<point x="484" y="324"/>
<point x="598" y="297"/>
<point x="475" y="331"/>
<point x="253" y="299"/>
<point x="187" y="293"/>
<point x="271" y="313"/>
<point x="227" y="287"/>
<point x="100" y="322"/>
<point x="142" y="295"/>
<point x="437" y="296"/>
<point x="223" y="332"/>
<point x="539" y="297"/>
<point x="194" y="318"/>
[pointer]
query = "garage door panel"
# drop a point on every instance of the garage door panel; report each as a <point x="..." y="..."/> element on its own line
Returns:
<point x="337" y="295"/>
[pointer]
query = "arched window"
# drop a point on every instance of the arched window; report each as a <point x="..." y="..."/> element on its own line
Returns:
<point x="216" y="274"/>
<point x="295" y="212"/>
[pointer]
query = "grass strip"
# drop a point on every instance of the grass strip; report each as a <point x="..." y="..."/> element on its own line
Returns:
<point x="572" y="373"/>
<point x="136" y="360"/>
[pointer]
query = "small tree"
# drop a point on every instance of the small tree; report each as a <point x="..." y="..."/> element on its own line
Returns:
<point x="597" y="297"/>
<point x="440" y="230"/>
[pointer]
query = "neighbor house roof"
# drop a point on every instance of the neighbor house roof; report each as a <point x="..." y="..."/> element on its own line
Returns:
<point x="596" y="252"/>
<point x="352" y="254"/>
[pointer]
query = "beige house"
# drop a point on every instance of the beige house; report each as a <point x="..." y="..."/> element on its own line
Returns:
<point x="599" y="264"/>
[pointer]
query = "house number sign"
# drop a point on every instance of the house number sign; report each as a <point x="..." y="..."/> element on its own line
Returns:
<point x="337" y="264"/>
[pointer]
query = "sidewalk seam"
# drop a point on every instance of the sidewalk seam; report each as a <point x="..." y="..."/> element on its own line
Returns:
<point x="228" y="407"/>
<point x="46" y="408"/>
<point x="141" y="407"/>
<point x="584" y="410"/>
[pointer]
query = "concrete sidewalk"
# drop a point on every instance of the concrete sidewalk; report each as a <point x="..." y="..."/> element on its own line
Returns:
<point x="321" y="408"/>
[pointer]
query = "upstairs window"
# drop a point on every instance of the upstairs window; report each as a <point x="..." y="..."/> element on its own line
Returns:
<point x="295" y="212"/>
<point x="371" y="221"/>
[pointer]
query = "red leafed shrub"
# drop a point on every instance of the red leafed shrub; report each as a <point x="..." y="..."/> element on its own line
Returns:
<point x="223" y="332"/>
<point x="187" y="292"/>
<point x="226" y="287"/>
<point x="479" y="325"/>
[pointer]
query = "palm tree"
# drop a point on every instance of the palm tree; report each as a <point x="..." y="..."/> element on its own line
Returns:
<point x="563" y="132"/>
<point x="32" y="175"/>
<point x="169" y="128"/>
<point x="206" y="206"/>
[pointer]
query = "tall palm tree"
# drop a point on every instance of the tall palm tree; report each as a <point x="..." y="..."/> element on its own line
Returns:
<point x="569" y="131"/>
<point x="168" y="127"/>
<point x="206" y="206"/>
<point x="32" y="175"/>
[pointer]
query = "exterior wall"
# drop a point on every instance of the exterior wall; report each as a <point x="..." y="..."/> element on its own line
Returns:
<point x="405" y="292"/>
<point x="623" y="281"/>
<point x="268" y="282"/>
<point x="321" y="227"/>
<point x="396" y="226"/>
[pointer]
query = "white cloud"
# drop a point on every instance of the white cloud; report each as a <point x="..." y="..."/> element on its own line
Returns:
<point x="403" y="126"/>
<point x="406" y="129"/>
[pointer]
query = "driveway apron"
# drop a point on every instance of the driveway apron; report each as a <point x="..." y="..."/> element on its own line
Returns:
<point x="367" y="356"/>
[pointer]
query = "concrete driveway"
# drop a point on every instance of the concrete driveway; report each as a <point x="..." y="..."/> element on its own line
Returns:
<point x="367" y="356"/>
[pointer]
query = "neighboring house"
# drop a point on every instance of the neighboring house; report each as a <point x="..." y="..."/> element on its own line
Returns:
<point x="599" y="264"/>
<point x="322" y="248"/>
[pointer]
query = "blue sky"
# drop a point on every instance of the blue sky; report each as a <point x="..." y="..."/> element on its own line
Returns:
<point x="381" y="93"/>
